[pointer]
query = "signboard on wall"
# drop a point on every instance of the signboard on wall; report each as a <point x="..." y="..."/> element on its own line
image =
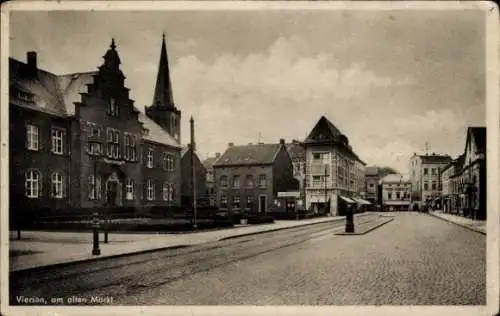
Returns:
<point x="289" y="194"/>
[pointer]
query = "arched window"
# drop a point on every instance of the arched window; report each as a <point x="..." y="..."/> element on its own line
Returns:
<point x="130" y="189"/>
<point x="33" y="184"/>
<point x="57" y="186"/>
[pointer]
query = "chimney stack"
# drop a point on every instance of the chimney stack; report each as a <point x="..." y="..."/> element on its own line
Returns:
<point x="31" y="62"/>
<point x="282" y="141"/>
<point x="230" y="144"/>
<point x="217" y="155"/>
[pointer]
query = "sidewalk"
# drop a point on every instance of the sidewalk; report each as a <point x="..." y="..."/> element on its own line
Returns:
<point x="475" y="225"/>
<point x="37" y="249"/>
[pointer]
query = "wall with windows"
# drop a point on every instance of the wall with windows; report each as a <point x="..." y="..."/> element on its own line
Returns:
<point x="161" y="179"/>
<point x="431" y="180"/>
<point x="39" y="162"/>
<point x="238" y="188"/>
<point x="106" y="115"/>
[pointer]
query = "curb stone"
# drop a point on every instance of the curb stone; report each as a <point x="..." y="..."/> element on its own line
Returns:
<point x="80" y="261"/>
<point x="383" y="222"/>
<point x="458" y="224"/>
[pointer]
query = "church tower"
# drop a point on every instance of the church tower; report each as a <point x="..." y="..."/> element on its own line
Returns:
<point x="163" y="110"/>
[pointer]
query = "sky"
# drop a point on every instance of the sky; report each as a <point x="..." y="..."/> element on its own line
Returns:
<point x="389" y="80"/>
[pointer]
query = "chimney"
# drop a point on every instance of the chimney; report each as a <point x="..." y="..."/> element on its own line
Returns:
<point x="282" y="141"/>
<point x="217" y="155"/>
<point x="31" y="62"/>
<point x="230" y="144"/>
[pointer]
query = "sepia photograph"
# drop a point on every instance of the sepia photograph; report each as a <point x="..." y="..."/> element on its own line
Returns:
<point x="250" y="155"/>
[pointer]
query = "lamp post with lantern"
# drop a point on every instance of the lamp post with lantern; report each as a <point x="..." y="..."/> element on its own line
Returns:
<point x="94" y="151"/>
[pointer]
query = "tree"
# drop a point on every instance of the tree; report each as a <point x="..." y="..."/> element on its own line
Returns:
<point x="383" y="171"/>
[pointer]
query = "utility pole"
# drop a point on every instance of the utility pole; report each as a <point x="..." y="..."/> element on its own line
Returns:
<point x="193" y="173"/>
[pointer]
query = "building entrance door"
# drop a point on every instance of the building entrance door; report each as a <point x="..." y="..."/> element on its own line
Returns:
<point x="262" y="203"/>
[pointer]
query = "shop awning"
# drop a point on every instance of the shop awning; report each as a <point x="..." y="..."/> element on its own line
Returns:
<point x="348" y="200"/>
<point x="361" y="201"/>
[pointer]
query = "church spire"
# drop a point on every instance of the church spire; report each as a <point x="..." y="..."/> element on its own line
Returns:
<point x="163" y="96"/>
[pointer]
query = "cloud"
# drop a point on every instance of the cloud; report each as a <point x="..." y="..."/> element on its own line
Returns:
<point x="278" y="93"/>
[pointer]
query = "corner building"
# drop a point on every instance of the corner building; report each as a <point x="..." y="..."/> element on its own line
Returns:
<point x="335" y="175"/>
<point x="73" y="135"/>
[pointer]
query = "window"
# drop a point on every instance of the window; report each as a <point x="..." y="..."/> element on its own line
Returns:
<point x="130" y="189"/>
<point x="249" y="202"/>
<point x="112" y="107"/>
<point x="249" y="181"/>
<point x="398" y="195"/>
<point x="236" y="182"/>
<point x="94" y="148"/>
<point x="113" y="143"/>
<point x="236" y="202"/>
<point x="32" y="137"/>
<point x="33" y="181"/>
<point x="57" y="186"/>
<point x="223" y="201"/>
<point x="27" y="97"/>
<point x="426" y="186"/>
<point x="433" y="171"/>
<point x="434" y="185"/>
<point x="168" y="191"/>
<point x="371" y="185"/>
<point x="57" y="141"/>
<point x="94" y="188"/>
<point x="389" y="195"/>
<point x="168" y="162"/>
<point x="262" y="181"/>
<point x="150" y="190"/>
<point x="425" y="171"/>
<point x="223" y="181"/>
<point x="149" y="158"/>
<point x="316" y="156"/>
<point x="317" y="181"/>
<point x="130" y="153"/>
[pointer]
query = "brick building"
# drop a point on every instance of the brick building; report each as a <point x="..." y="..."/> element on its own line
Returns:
<point x="76" y="137"/>
<point x="248" y="178"/>
<point x="335" y="175"/>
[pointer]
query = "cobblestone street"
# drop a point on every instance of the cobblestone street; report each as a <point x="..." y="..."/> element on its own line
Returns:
<point x="415" y="259"/>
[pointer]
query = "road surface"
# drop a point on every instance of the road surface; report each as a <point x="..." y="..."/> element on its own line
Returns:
<point x="414" y="260"/>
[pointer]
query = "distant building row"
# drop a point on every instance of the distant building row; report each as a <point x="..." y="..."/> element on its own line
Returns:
<point x="322" y="173"/>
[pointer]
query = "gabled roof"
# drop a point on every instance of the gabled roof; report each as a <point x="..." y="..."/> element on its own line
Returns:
<point x="156" y="133"/>
<point x="56" y="94"/>
<point x="209" y="162"/>
<point x="323" y="131"/>
<point x="479" y="134"/>
<point x="258" y="154"/>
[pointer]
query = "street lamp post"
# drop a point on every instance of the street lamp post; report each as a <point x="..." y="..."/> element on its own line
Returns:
<point x="94" y="151"/>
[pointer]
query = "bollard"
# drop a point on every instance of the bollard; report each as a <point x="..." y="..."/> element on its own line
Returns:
<point x="349" y="220"/>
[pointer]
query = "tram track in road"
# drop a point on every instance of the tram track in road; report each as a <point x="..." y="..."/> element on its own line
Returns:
<point x="126" y="275"/>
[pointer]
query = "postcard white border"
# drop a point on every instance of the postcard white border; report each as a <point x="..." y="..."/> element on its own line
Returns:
<point x="493" y="163"/>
